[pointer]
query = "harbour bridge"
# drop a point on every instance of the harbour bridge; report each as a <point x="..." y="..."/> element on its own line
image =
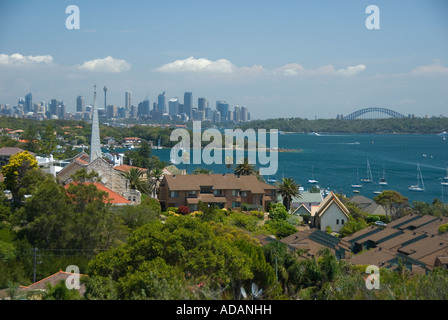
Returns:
<point x="373" y="113"/>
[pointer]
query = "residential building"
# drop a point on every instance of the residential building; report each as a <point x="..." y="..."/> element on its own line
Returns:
<point x="311" y="241"/>
<point x="222" y="190"/>
<point x="331" y="213"/>
<point x="412" y="241"/>
<point x="368" y="205"/>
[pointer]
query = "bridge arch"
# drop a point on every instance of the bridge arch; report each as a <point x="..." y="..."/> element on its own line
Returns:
<point x="373" y="113"/>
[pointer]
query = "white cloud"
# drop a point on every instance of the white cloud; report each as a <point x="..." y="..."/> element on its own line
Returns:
<point x="198" y="65"/>
<point x="17" y="59"/>
<point x="351" y="70"/>
<point x="435" y="68"/>
<point x="291" y="69"/>
<point x="107" y="64"/>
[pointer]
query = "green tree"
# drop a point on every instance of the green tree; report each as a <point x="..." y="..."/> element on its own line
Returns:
<point x="288" y="189"/>
<point x="393" y="202"/>
<point x="16" y="169"/>
<point x="245" y="168"/>
<point x="60" y="292"/>
<point x="202" y="251"/>
<point x="48" y="141"/>
<point x="135" y="178"/>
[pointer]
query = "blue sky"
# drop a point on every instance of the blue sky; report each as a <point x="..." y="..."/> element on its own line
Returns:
<point x="279" y="58"/>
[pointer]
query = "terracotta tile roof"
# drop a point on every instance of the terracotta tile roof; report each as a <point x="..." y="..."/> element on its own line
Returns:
<point x="126" y="168"/>
<point x="113" y="197"/>
<point x="53" y="280"/>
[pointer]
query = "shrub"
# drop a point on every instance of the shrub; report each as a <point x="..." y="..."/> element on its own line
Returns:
<point x="172" y="209"/>
<point x="258" y="214"/>
<point x="183" y="210"/>
<point x="443" y="228"/>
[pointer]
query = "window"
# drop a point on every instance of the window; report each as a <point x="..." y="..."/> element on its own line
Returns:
<point x="244" y="193"/>
<point x="342" y="221"/>
<point x="193" y="207"/>
<point x="236" y="204"/>
<point x="206" y="189"/>
<point x="337" y="221"/>
<point x="235" y="192"/>
<point x="174" y="194"/>
<point x="218" y="192"/>
<point x="192" y="193"/>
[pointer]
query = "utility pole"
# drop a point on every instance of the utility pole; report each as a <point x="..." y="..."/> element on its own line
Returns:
<point x="35" y="265"/>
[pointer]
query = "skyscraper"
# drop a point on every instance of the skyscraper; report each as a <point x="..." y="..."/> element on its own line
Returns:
<point x="173" y="107"/>
<point x="80" y="104"/>
<point x="54" y="104"/>
<point x="144" y="108"/>
<point x="128" y="100"/>
<point x="161" y="102"/>
<point x="95" y="145"/>
<point x="223" y="108"/>
<point x="202" y="104"/>
<point x="188" y="104"/>
<point x="28" y="102"/>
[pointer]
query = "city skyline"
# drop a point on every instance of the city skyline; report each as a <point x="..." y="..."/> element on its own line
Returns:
<point x="160" y="110"/>
<point x="298" y="58"/>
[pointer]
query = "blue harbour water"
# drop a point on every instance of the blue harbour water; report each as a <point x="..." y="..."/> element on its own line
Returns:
<point x="335" y="159"/>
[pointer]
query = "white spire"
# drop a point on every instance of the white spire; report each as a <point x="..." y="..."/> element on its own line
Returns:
<point x="95" y="145"/>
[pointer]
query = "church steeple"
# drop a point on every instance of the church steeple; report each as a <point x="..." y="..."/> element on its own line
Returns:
<point x="95" y="144"/>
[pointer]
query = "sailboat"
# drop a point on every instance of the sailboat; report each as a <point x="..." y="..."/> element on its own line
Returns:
<point x="383" y="181"/>
<point x="368" y="179"/>
<point x="312" y="181"/>
<point x="445" y="179"/>
<point x="357" y="185"/>
<point x="418" y="187"/>
<point x="272" y="180"/>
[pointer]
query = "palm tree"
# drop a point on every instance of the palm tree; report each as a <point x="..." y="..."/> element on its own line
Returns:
<point x="134" y="175"/>
<point x="154" y="179"/>
<point x="288" y="189"/>
<point x="245" y="168"/>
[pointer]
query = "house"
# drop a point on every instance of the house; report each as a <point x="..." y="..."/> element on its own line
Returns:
<point x="109" y="177"/>
<point x="331" y="213"/>
<point x="222" y="190"/>
<point x="41" y="285"/>
<point x="368" y="205"/>
<point x="412" y="240"/>
<point x="8" y="152"/>
<point x="311" y="241"/>
<point x="306" y="199"/>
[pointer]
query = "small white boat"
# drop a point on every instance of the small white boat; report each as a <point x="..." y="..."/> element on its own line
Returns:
<point x="420" y="186"/>
<point x="368" y="179"/>
<point x="376" y="192"/>
<point x="357" y="185"/>
<point x="312" y="180"/>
